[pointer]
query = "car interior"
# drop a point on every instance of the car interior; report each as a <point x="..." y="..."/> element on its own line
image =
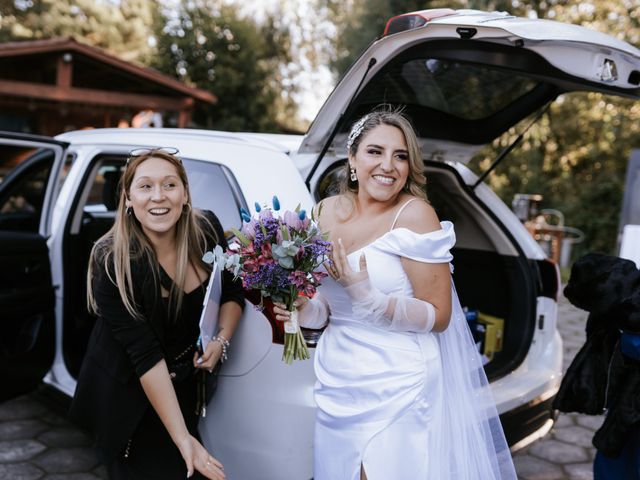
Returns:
<point x="95" y="209"/>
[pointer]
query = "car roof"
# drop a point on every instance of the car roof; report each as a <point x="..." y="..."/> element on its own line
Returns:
<point x="159" y="137"/>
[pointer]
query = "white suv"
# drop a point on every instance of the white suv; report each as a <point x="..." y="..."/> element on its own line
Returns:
<point x="465" y="78"/>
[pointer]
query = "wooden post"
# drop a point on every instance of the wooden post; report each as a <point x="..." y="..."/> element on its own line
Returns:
<point x="184" y="117"/>
<point x="64" y="70"/>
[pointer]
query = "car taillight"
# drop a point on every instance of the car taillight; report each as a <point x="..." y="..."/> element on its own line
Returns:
<point x="549" y="279"/>
<point x="409" y="21"/>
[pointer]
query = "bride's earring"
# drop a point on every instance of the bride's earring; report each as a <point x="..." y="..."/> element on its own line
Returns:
<point x="352" y="174"/>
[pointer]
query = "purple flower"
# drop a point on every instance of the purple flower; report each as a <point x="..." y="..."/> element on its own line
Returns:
<point x="298" y="278"/>
<point x="249" y="229"/>
<point x="268" y="277"/>
<point x="265" y="213"/>
<point x="318" y="248"/>
<point x="292" y="220"/>
<point x="271" y="226"/>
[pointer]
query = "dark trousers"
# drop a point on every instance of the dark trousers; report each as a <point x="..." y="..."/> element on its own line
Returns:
<point x="626" y="466"/>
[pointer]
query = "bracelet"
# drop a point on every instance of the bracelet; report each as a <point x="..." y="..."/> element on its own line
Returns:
<point x="225" y="345"/>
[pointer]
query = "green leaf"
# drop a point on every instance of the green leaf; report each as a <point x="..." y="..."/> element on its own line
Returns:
<point x="241" y="237"/>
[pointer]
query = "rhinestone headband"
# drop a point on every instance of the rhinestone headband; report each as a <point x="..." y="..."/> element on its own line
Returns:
<point x="356" y="131"/>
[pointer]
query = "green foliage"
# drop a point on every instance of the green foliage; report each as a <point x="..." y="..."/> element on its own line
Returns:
<point x="576" y="156"/>
<point x="209" y="45"/>
<point x="123" y="28"/>
<point x="205" y="43"/>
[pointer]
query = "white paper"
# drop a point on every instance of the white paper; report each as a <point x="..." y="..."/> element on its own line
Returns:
<point x="211" y="308"/>
<point x="291" y="325"/>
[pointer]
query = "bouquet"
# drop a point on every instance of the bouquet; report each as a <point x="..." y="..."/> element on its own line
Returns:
<point x="277" y="255"/>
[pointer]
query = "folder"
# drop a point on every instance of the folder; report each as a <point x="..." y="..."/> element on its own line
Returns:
<point x="210" y="308"/>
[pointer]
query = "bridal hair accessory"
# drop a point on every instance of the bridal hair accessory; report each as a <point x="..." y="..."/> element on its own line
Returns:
<point x="352" y="174"/>
<point x="356" y="131"/>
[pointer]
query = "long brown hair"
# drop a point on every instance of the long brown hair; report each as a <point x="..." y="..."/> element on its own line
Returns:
<point x="126" y="242"/>
<point x="386" y="115"/>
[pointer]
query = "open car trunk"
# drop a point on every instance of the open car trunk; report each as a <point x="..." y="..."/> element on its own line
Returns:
<point x="464" y="78"/>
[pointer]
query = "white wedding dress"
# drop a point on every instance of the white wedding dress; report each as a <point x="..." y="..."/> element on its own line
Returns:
<point x="384" y="397"/>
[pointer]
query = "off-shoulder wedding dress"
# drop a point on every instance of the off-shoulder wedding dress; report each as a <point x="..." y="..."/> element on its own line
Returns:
<point x="404" y="405"/>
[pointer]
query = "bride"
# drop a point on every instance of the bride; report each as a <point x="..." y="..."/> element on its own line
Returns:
<point x="401" y="392"/>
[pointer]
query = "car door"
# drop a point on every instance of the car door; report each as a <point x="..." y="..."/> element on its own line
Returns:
<point x="30" y="167"/>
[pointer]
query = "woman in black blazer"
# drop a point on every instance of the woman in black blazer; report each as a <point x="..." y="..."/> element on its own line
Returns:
<point x="141" y="385"/>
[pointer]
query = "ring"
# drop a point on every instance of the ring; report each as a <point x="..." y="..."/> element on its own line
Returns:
<point x="208" y="463"/>
<point x="210" y="370"/>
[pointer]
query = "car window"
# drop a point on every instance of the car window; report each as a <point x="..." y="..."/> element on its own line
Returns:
<point x="103" y="190"/>
<point x="329" y="184"/>
<point x="465" y="90"/>
<point x="214" y="188"/>
<point x="24" y="173"/>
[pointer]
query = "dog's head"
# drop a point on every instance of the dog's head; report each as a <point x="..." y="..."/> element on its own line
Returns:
<point x="599" y="283"/>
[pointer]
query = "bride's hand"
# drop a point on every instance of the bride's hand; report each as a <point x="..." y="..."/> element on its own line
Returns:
<point x="341" y="271"/>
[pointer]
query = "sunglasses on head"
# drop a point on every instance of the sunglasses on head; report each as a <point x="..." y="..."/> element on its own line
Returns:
<point x="138" y="152"/>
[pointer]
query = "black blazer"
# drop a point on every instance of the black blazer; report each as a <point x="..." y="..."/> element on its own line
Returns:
<point x="109" y="400"/>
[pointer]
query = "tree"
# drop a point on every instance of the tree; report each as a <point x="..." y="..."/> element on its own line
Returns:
<point x="122" y="28"/>
<point x="576" y="156"/>
<point x="208" y="44"/>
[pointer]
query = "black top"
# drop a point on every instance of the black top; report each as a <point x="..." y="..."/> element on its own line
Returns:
<point x="141" y="339"/>
<point x="109" y="399"/>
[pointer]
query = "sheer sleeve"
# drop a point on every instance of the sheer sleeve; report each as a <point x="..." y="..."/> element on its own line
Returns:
<point x="403" y="313"/>
<point x="315" y="312"/>
<point x="390" y="311"/>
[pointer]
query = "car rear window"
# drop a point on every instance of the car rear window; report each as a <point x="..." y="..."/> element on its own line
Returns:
<point x="465" y="90"/>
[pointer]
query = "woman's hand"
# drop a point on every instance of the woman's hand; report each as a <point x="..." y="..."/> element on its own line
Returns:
<point x="284" y="315"/>
<point x="196" y="456"/>
<point x="209" y="358"/>
<point x="341" y="271"/>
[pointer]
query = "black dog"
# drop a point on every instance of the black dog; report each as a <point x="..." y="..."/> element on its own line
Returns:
<point x="600" y="379"/>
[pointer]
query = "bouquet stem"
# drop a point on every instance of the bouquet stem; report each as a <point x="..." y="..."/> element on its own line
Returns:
<point x="295" y="347"/>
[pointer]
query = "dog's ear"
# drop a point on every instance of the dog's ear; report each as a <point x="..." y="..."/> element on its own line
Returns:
<point x="599" y="282"/>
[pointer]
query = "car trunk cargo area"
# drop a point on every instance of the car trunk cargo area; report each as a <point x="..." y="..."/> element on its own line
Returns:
<point x="493" y="278"/>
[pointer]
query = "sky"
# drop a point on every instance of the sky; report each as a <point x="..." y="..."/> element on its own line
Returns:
<point x="315" y="83"/>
